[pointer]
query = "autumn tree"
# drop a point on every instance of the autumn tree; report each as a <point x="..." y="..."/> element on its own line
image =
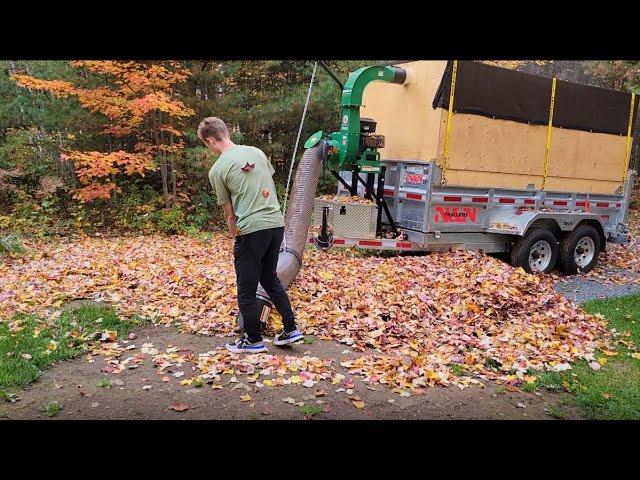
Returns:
<point x="145" y="121"/>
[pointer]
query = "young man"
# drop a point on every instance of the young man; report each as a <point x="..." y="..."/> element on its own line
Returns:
<point x="242" y="179"/>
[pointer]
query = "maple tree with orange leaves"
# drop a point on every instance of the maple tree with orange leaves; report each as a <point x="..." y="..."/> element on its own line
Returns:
<point x="144" y="115"/>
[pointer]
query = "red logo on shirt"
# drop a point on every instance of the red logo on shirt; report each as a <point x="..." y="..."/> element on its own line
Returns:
<point x="248" y="167"/>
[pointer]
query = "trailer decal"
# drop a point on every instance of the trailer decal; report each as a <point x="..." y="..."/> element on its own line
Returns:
<point x="415" y="178"/>
<point x="455" y="215"/>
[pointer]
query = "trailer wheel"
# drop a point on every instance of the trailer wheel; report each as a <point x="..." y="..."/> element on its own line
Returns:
<point x="579" y="250"/>
<point x="536" y="252"/>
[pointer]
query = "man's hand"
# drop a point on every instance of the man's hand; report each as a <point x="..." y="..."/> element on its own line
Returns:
<point x="231" y="219"/>
<point x="233" y="228"/>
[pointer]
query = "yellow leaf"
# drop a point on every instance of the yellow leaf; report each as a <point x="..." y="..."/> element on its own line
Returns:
<point x="358" y="404"/>
<point x="296" y="379"/>
<point x="245" y="398"/>
<point x="636" y="355"/>
<point x="187" y="381"/>
<point x="268" y="382"/>
<point x="602" y="361"/>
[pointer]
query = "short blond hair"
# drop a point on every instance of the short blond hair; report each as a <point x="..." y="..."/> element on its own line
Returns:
<point x="212" y="127"/>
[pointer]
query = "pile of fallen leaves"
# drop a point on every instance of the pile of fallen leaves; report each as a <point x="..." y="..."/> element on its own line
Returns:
<point x="355" y="200"/>
<point x="412" y="317"/>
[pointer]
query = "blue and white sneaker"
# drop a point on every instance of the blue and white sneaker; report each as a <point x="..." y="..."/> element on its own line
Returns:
<point x="243" y="345"/>
<point x="286" y="338"/>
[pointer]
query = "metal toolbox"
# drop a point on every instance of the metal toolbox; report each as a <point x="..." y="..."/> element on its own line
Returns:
<point x="350" y="220"/>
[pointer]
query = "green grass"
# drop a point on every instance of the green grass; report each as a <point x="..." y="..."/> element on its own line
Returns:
<point x="310" y="410"/>
<point x="104" y="382"/>
<point x="307" y="340"/>
<point x="29" y="344"/>
<point x="457" y="369"/>
<point x="555" y="412"/>
<point x="612" y="392"/>
<point x="623" y="314"/>
<point x="550" y="380"/>
<point x="52" y="408"/>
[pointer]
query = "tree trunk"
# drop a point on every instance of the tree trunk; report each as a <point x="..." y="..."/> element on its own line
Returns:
<point x="163" y="165"/>
<point x="165" y="188"/>
<point x="174" y="173"/>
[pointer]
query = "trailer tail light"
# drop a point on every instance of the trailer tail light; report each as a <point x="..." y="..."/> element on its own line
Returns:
<point x="338" y="241"/>
<point x="581" y="204"/>
<point x="602" y="204"/>
<point x="369" y="243"/>
<point x="528" y="201"/>
<point x="507" y="200"/>
<point x="452" y="199"/>
<point x="414" y="196"/>
<point x="480" y="200"/>
<point x="560" y="202"/>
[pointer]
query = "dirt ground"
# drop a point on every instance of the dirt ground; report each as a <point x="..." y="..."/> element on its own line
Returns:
<point x="74" y="384"/>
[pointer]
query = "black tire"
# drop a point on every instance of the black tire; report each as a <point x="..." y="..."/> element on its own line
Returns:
<point x="568" y="246"/>
<point x="522" y="248"/>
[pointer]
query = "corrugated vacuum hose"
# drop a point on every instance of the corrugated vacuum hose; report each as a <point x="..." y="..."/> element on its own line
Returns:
<point x="297" y="223"/>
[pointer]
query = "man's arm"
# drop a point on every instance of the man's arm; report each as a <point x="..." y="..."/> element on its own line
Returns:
<point x="224" y="200"/>
<point x="231" y="219"/>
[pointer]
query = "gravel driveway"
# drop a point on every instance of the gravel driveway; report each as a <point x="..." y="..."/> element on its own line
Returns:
<point x="581" y="288"/>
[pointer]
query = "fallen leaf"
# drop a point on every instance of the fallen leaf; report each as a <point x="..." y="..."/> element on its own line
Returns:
<point x="179" y="407"/>
<point x="358" y="403"/>
<point x="245" y="398"/>
<point x="26" y="356"/>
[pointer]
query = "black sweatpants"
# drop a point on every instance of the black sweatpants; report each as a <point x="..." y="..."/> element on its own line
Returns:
<point x="256" y="259"/>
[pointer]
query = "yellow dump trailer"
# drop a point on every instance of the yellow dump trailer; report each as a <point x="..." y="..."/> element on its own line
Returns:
<point x="506" y="129"/>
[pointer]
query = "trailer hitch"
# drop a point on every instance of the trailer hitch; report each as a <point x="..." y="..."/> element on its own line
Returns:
<point x="325" y="239"/>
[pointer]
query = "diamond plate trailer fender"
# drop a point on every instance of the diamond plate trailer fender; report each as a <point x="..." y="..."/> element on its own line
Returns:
<point x="518" y="222"/>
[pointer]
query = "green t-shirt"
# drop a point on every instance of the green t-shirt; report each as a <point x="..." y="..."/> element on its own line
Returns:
<point x="246" y="189"/>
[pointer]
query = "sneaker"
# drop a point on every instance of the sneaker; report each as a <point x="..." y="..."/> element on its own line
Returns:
<point x="285" y="338"/>
<point x="243" y="345"/>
